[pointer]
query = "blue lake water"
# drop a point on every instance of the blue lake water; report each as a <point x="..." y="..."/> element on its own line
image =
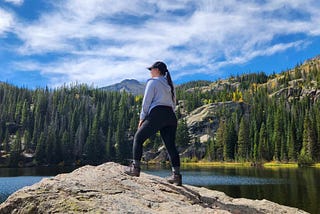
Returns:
<point x="209" y="178"/>
<point x="13" y="179"/>
<point x="295" y="187"/>
<point x="292" y="187"/>
<point x="9" y="185"/>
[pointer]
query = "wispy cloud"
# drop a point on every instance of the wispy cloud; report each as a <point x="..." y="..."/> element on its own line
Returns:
<point x="104" y="41"/>
<point x="15" y="2"/>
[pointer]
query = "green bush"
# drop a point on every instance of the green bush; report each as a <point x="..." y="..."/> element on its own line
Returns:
<point x="194" y="159"/>
<point x="185" y="160"/>
<point x="305" y="160"/>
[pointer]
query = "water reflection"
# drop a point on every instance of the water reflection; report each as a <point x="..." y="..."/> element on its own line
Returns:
<point x="296" y="187"/>
<point x="13" y="179"/>
<point x="208" y="178"/>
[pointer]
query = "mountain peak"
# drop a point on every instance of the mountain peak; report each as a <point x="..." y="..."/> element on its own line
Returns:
<point x="132" y="86"/>
<point x="130" y="81"/>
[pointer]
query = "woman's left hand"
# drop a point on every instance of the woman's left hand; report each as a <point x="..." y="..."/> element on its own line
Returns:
<point x="140" y="123"/>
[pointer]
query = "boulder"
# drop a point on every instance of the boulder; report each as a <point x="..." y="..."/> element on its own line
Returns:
<point x="196" y="149"/>
<point x="149" y="155"/>
<point x="162" y="155"/>
<point x="204" y="138"/>
<point x="106" y="189"/>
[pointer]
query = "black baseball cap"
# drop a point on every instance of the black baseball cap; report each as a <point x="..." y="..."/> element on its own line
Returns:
<point x="160" y="65"/>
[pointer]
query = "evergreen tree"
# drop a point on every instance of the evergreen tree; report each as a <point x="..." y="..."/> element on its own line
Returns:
<point x="314" y="134"/>
<point x="80" y="139"/>
<point x="5" y="143"/>
<point x="15" y="150"/>
<point x="256" y="154"/>
<point x="277" y="137"/>
<point x="221" y="136"/>
<point x="284" y="150"/>
<point x="263" y="144"/>
<point x="121" y="143"/>
<point x="66" y="147"/>
<point x="26" y="140"/>
<point x="94" y="148"/>
<point x="309" y="143"/>
<point x="40" y="149"/>
<point x="25" y="115"/>
<point x="270" y="126"/>
<point x="210" y="150"/>
<point x="318" y="124"/>
<point x="50" y="145"/>
<point x="243" y="141"/>
<point x="110" y="145"/>
<point x="253" y="139"/>
<point x="230" y="140"/>
<point x="182" y="136"/>
<point x="292" y="153"/>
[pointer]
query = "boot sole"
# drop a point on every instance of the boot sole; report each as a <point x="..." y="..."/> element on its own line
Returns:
<point x="176" y="183"/>
<point x="133" y="175"/>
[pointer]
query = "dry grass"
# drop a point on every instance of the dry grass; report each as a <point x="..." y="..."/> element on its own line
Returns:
<point x="216" y="164"/>
<point x="280" y="165"/>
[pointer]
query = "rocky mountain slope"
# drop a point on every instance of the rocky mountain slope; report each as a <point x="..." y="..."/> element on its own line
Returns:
<point x="129" y="85"/>
<point x="106" y="189"/>
<point x="292" y="83"/>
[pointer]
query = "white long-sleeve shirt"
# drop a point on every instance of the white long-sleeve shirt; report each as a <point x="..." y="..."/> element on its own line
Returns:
<point x="157" y="92"/>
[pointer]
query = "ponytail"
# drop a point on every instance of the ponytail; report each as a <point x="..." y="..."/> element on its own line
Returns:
<point x="164" y="72"/>
<point x="171" y="85"/>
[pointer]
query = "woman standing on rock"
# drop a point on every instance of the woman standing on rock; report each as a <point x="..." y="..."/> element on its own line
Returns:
<point x="157" y="114"/>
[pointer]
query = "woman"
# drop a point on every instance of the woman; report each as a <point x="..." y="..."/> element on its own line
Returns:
<point x="157" y="114"/>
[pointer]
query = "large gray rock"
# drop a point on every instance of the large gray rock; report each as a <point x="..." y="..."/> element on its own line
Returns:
<point x="106" y="189"/>
<point x="291" y="93"/>
<point x="205" y="119"/>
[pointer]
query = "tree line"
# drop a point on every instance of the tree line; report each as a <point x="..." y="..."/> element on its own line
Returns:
<point x="70" y="124"/>
<point x="82" y="124"/>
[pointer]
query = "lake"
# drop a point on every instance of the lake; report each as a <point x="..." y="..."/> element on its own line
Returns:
<point x="296" y="187"/>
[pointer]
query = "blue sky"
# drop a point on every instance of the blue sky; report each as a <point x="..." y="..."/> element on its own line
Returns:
<point x="102" y="42"/>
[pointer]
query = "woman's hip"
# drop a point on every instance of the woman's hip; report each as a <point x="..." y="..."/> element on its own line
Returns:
<point x="163" y="115"/>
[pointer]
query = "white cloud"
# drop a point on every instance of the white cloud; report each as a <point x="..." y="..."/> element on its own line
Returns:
<point x="104" y="41"/>
<point x="6" y="21"/>
<point x="15" y="2"/>
<point x="91" y="70"/>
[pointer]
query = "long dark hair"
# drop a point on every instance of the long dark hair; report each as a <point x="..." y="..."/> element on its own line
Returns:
<point x="165" y="72"/>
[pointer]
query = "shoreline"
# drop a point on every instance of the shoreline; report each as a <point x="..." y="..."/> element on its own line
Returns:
<point x="272" y="164"/>
<point x="268" y="165"/>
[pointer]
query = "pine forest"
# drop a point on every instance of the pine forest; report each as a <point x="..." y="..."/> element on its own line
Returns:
<point x="276" y="118"/>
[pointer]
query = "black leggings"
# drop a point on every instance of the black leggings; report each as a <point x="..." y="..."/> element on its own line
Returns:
<point x="160" y="118"/>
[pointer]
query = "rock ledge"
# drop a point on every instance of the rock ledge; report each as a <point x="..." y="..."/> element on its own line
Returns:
<point x="106" y="189"/>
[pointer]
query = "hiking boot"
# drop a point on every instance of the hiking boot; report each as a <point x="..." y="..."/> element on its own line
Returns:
<point x="175" y="179"/>
<point x="132" y="170"/>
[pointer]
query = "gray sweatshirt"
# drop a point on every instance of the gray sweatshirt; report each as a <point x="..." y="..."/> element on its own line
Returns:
<point x="157" y="92"/>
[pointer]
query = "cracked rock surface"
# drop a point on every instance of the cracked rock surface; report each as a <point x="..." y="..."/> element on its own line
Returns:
<point x="106" y="189"/>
